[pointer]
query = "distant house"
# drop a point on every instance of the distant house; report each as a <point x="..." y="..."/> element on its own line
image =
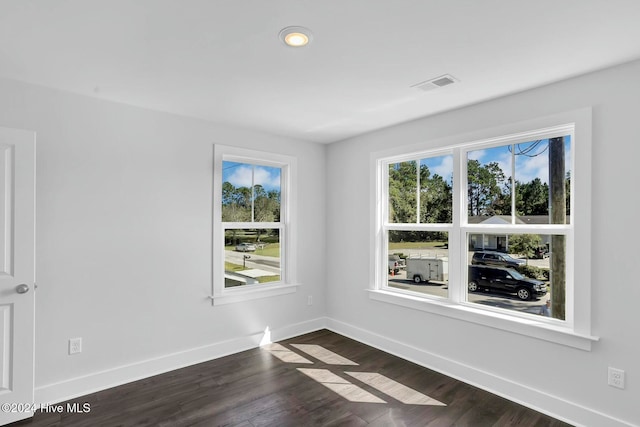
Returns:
<point x="500" y="242"/>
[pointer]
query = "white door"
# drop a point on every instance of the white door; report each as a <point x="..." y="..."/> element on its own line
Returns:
<point x="17" y="273"/>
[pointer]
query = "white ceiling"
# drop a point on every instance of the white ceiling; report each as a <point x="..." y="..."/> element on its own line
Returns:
<point x="221" y="60"/>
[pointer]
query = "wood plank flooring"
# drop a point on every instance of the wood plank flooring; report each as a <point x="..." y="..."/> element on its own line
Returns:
<point x="273" y="387"/>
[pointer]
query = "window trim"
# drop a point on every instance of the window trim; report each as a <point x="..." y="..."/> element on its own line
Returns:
<point x="576" y="330"/>
<point x="288" y="193"/>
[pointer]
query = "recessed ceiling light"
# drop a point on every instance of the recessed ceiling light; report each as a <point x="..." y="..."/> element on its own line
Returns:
<point x="295" y="36"/>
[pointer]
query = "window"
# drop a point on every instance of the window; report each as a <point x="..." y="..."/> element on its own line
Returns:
<point x="253" y="224"/>
<point x="420" y="201"/>
<point x="484" y="230"/>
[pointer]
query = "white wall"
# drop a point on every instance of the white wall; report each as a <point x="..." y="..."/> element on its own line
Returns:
<point x="567" y="382"/>
<point x="124" y="246"/>
<point x="124" y="240"/>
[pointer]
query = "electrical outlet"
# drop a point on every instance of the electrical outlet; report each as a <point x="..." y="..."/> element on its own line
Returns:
<point x="75" y="345"/>
<point x="616" y="378"/>
<point x="310" y="300"/>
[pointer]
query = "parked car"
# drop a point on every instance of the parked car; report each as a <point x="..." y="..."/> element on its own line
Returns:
<point x="496" y="258"/>
<point x="395" y="263"/>
<point x="505" y="280"/>
<point x="246" y="247"/>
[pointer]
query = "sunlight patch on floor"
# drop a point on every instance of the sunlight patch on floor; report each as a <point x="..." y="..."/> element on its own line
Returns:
<point x="394" y="389"/>
<point x="323" y="355"/>
<point x="339" y="385"/>
<point x="284" y="354"/>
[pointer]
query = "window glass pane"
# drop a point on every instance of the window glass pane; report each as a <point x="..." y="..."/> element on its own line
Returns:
<point x="403" y="185"/>
<point x="252" y="256"/>
<point x="419" y="262"/>
<point x="517" y="272"/>
<point x="489" y="186"/>
<point x="541" y="171"/>
<point x="436" y="194"/>
<point x="543" y="177"/>
<point x="250" y="193"/>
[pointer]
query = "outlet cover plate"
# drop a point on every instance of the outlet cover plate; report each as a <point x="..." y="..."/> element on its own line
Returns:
<point x="616" y="378"/>
<point x="75" y="345"/>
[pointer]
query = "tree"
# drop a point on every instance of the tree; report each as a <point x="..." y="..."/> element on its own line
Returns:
<point x="402" y="192"/>
<point x="534" y="198"/>
<point x="524" y="244"/>
<point x="239" y="203"/>
<point x="236" y="203"/>
<point x="484" y="188"/>
<point x="435" y="198"/>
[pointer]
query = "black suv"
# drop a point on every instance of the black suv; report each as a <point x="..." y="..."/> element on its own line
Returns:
<point x="495" y="258"/>
<point x="505" y="280"/>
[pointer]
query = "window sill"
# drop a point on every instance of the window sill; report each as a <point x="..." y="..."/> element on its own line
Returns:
<point x="523" y="326"/>
<point x="231" y="296"/>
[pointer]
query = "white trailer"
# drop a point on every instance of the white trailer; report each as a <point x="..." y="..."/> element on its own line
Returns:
<point x="428" y="269"/>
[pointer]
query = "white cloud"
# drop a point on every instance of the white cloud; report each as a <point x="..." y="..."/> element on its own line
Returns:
<point x="241" y="176"/>
<point x="267" y="177"/>
<point x="529" y="168"/>
<point x="476" y="155"/>
<point x="444" y="169"/>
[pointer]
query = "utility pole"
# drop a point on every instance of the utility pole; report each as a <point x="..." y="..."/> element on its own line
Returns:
<point x="557" y="215"/>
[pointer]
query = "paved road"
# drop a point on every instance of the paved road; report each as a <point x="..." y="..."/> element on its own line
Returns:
<point x="261" y="262"/>
<point x="495" y="299"/>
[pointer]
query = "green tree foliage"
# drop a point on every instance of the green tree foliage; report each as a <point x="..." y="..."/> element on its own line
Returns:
<point x="533" y="198"/>
<point x="402" y="192"/>
<point x="435" y="200"/>
<point x="266" y="205"/>
<point x="567" y="186"/>
<point x="237" y="203"/>
<point x="524" y="244"/>
<point x="487" y="189"/>
<point x="488" y="192"/>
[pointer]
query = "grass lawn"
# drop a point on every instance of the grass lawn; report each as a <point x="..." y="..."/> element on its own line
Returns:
<point x="416" y="245"/>
<point x="229" y="266"/>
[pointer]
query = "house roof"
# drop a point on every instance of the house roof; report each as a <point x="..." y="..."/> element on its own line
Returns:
<point x="506" y="219"/>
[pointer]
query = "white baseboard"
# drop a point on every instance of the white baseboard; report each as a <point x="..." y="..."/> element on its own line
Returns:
<point x="537" y="400"/>
<point x="554" y="406"/>
<point x="80" y="386"/>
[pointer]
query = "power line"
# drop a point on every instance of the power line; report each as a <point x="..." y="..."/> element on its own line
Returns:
<point x="526" y="151"/>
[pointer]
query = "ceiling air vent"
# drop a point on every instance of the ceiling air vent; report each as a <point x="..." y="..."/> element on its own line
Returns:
<point x="436" y="83"/>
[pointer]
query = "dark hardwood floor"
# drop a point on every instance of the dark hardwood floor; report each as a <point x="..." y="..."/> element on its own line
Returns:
<point x="272" y="387"/>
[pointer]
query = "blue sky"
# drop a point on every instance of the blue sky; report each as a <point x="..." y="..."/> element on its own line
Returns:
<point x="528" y="167"/>
<point x="240" y="175"/>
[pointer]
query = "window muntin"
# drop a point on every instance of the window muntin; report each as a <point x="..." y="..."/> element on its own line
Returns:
<point x="489" y="218"/>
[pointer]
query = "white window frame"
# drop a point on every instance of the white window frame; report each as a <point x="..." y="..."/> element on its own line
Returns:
<point x="288" y="275"/>
<point x="575" y="331"/>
